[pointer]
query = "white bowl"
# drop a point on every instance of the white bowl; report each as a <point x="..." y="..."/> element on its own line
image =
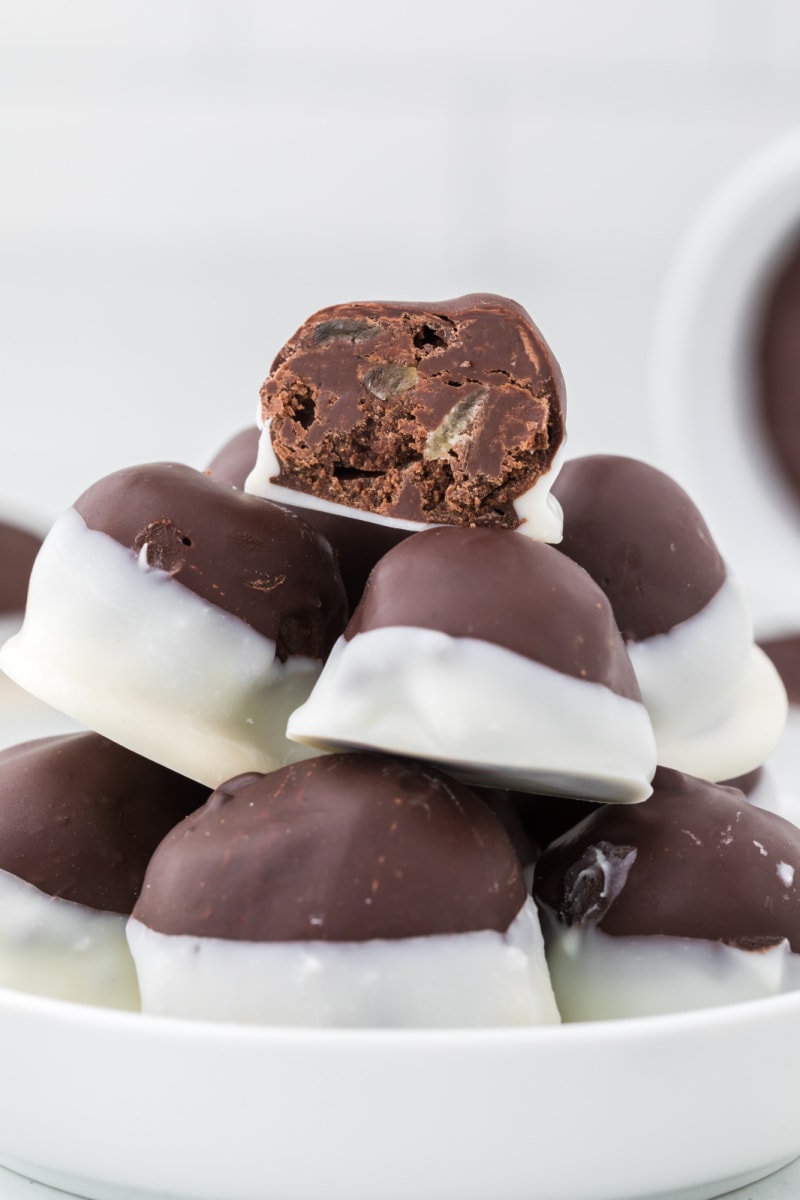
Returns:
<point x="702" y="378"/>
<point x="112" y="1105"/>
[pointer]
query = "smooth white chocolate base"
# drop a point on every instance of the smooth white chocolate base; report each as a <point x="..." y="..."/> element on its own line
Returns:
<point x="742" y="740"/>
<point x="717" y="704"/>
<point x="54" y="947"/>
<point x="539" y="513"/>
<point x="597" y="977"/>
<point x="482" y="712"/>
<point x="127" y="651"/>
<point x="483" y="978"/>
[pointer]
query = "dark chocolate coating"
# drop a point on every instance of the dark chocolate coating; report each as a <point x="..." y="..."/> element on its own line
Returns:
<point x="545" y="818"/>
<point x="250" y="558"/>
<point x="694" y="861"/>
<point x="785" y="655"/>
<point x="354" y="396"/>
<point x="234" y="461"/>
<point x="80" y="817"/>
<point x="641" y="539"/>
<point x="747" y="783"/>
<point x="493" y="585"/>
<point x="18" y="549"/>
<point x="357" y="544"/>
<point x="777" y="368"/>
<point x="342" y="848"/>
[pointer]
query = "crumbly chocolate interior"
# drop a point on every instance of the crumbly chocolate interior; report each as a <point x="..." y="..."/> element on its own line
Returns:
<point x="442" y="413"/>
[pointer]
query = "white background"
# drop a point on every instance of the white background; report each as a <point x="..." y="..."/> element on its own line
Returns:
<point x="182" y="183"/>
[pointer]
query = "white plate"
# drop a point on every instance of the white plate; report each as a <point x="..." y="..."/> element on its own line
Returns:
<point x="112" y="1105"/>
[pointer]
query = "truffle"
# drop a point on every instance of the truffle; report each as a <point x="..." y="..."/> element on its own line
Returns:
<point x="449" y="413"/>
<point x="348" y="890"/>
<point x="181" y="618"/>
<point x="688" y="900"/>
<point x="493" y="656"/>
<point x="79" y="819"/>
<point x="717" y="705"/>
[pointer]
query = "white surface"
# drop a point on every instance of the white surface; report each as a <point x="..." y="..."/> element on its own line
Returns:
<point x="190" y="1109"/>
<point x="183" y="184"/>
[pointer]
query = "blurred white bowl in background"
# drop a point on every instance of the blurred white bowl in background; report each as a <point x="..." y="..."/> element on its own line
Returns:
<point x="702" y="378"/>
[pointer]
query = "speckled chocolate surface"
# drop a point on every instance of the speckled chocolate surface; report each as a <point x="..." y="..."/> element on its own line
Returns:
<point x="80" y="817"/>
<point x="342" y="848"/>
<point x="439" y="412"/>
<point x="501" y="588"/>
<point x="641" y="538"/>
<point x="695" y="861"/>
<point x="18" y="549"/>
<point x="251" y="558"/>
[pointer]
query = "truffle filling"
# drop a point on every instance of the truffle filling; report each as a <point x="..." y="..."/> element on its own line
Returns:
<point x="537" y="513"/>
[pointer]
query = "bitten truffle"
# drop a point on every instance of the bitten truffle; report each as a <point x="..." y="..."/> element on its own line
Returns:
<point x="189" y="620"/>
<point x="79" y="819"/>
<point x="688" y="900"/>
<point x="493" y="656"/>
<point x="448" y="413"/>
<point x="351" y="889"/>
<point x="717" y="705"/>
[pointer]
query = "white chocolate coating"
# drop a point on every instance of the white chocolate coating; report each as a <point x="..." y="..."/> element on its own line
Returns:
<point x="597" y="977"/>
<point x="743" y="739"/>
<point x="540" y="514"/>
<point x="129" y="652"/>
<point x="465" y="979"/>
<point x="480" y="711"/>
<point x="53" y="947"/>
<point x="717" y="705"/>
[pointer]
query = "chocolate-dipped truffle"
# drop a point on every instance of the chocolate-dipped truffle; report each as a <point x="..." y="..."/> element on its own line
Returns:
<point x="447" y="413"/>
<point x="493" y="656"/>
<point x="689" y="900"/>
<point x="348" y="890"/>
<point x="79" y="820"/>
<point x="181" y="618"/>
<point x="716" y="703"/>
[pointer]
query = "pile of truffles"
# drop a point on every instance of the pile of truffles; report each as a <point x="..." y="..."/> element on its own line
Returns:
<point x="395" y="718"/>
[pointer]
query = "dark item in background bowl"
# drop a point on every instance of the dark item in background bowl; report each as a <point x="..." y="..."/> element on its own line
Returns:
<point x="777" y="369"/>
